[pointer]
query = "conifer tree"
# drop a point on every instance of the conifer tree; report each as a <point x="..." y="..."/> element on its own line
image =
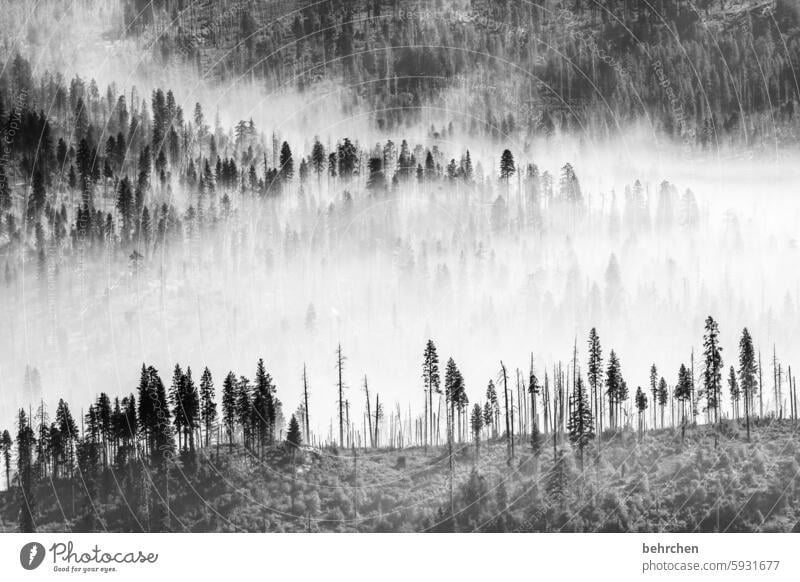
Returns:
<point x="68" y="435"/>
<point x="25" y="445"/>
<point x="595" y="374"/>
<point x="683" y="394"/>
<point x="613" y="388"/>
<point x="431" y="381"/>
<point x="654" y="390"/>
<point x="476" y="422"/>
<point x="663" y="395"/>
<point x="286" y="163"/>
<point x="243" y="408"/>
<point x="294" y="437"/>
<point x="733" y="388"/>
<point x="641" y="406"/>
<point x="318" y="158"/>
<point x="507" y="167"/>
<point x="533" y="390"/>
<point x="493" y="406"/>
<point x="229" y="394"/>
<point x="581" y="422"/>
<point x="208" y="407"/>
<point x="6" y="445"/>
<point x="712" y="374"/>
<point x="748" y="371"/>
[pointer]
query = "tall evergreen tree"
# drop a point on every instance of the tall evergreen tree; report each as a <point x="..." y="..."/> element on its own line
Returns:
<point x="6" y="445"/>
<point x="748" y="374"/>
<point x="208" y="407"/>
<point x="507" y="167"/>
<point x="294" y="436"/>
<point x="595" y="374"/>
<point x="641" y="406"/>
<point x="614" y="388"/>
<point x="286" y="163"/>
<point x="712" y="373"/>
<point x="25" y="474"/>
<point x="431" y="381"/>
<point x="581" y="422"/>
<point x="229" y="402"/>
<point x="662" y="396"/>
<point x="476" y="423"/>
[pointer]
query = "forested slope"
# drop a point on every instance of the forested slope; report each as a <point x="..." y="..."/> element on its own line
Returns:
<point x="703" y="71"/>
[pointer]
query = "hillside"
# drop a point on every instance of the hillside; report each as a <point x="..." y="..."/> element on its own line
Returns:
<point x="658" y="484"/>
<point x="703" y="73"/>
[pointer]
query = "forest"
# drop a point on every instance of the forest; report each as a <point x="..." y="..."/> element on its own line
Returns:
<point x="706" y="73"/>
<point x="235" y="326"/>
<point x="575" y="453"/>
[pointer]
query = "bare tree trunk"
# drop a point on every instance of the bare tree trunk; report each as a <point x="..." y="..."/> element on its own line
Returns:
<point x="305" y="400"/>
<point x="369" y="414"/>
<point x="505" y="395"/>
<point x="339" y="362"/>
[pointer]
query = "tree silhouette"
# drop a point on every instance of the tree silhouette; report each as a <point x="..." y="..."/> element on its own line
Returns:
<point x="208" y="407"/>
<point x="507" y="167"/>
<point x="431" y="381"/>
<point x="25" y="445"/>
<point x="229" y="402"/>
<point x="5" y="448"/>
<point x="712" y="374"/>
<point x="595" y="373"/>
<point x="476" y="422"/>
<point x="748" y="370"/>
<point x="581" y="421"/>
<point x="294" y="437"/>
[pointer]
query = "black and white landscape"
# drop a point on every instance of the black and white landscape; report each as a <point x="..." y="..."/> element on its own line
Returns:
<point x="399" y="265"/>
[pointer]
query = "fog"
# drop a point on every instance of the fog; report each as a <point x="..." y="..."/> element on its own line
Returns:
<point x="388" y="270"/>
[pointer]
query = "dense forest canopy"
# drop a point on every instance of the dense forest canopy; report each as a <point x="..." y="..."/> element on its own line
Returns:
<point x="529" y="67"/>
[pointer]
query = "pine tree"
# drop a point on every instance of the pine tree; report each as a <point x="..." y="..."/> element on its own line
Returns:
<point x="244" y="404"/>
<point x="68" y="432"/>
<point x="581" y="422"/>
<point x="533" y="390"/>
<point x="641" y="406"/>
<point x="595" y="374"/>
<point x="176" y="397"/>
<point x="712" y="374"/>
<point x="613" y="388"/>
<point x="229" y="388"/>
<point x="683" y="394"/>
<point x="208" y="407"/>
<point x="294" y="437"/>
<point x="318" y="158"/>
<point x="558" y="481"/>
<point x="25" y="474"/>
<point x="654" y="390"/>
<point x="191" y="410"/>
<point x="748" y="370"/>
<point x="507" y="167"/>
<point x="286" y="163"/>
<point x="5" y="448"/>
<point x="662" y="395"/>
<point x="431" y="381"/>
<point x="733" y="388"/>
<point x="103" y="407"/>
<point x="476" y="422"/>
